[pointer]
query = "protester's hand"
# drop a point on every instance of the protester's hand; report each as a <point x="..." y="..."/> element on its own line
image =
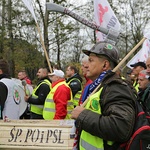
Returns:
<point x="26" y="97"/>
<point x="75" y="113"/>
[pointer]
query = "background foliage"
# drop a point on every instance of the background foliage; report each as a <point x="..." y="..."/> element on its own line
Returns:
<point x="64" y="37"/>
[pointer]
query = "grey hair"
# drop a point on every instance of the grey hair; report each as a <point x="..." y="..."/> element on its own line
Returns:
<point x="85" y="58"/>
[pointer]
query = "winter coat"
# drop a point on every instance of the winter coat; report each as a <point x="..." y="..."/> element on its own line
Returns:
<point x="118" y="112"/>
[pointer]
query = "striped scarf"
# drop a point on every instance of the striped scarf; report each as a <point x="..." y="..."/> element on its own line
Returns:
<point x="91" y="87"/>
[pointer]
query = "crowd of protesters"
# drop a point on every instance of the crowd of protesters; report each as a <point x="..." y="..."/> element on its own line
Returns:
<point x="98" y="106"/>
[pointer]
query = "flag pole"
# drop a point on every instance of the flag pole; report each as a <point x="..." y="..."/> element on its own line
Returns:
<point x="129" y="54"/>
<point x="43" y="45"/>
<point x="116" y="68"/>
<point x="28" y="4"/>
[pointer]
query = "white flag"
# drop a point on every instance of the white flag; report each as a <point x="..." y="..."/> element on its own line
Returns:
<point x="29" y="5"/>
<point x="142" y="55"/>
<point x="147" y="35"/>
<point x="104" y="17"/>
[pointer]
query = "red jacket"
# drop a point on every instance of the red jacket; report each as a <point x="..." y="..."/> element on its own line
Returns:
<point x="88" y="81"/>
<point x="61" y="96"/>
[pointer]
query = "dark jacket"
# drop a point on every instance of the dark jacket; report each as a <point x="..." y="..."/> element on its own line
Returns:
<point x="3" y="92"/>
<point x="144" y="98"/>
<point x="41" y="92"/>
<point x="75" y="84"/>
<point x="118" y="112"/>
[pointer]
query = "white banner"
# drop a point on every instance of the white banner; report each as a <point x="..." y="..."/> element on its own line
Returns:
<point x="29" y="5"/>
<point x="147" y="35"/>
<point x="104" y="17"/>
<point x="142" y="55"/>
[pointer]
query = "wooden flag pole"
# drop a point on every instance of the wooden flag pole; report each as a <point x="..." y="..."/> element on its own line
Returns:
<point x="116" y="68"/>
<point x="28" y="4"/>
<point x="129" y="54"/>
<point x="43" y="45"/>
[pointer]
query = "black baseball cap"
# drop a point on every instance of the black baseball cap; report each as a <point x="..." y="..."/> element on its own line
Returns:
<point x="140" y="63"/>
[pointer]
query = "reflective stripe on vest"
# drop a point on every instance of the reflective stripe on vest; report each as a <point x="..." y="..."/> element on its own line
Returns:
<point x="49" y="106"/>
<point x="88" y="146"/>
<point x="38" y="109"/>
<point x="88" y="141"/>
<point x="136" y="86"/>
<point x="78" y="94"/>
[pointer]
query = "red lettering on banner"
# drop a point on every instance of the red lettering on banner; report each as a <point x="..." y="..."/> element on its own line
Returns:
<point x="102" y="11"/>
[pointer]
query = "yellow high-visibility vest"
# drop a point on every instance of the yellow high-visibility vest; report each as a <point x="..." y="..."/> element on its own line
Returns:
<point x="88" y="141"/>
<point x="49" y="106"/>
<point x="77" y="96"/>
<point x="136" y="86"/>
<point x="38" y="109"/>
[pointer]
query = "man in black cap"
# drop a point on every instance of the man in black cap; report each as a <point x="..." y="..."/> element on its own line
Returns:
<point x="137" y="67"/>
<point x="108" y="117"/>
<point x="140" y="63"/>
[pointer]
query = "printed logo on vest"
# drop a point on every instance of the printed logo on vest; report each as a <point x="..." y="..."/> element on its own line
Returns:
<point x="16" y="95"/>
<point x="94" y="104"/>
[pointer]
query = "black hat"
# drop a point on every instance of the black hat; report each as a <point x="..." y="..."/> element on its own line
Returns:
<point x="104" y="48"/>
<point x="140" y="63"/>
